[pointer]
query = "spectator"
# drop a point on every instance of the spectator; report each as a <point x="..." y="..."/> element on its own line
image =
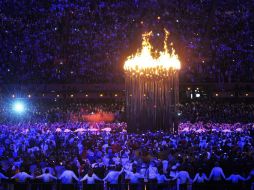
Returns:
<point x="21" y="178"/>
<point x="199" y="180"/>
<point x="67" y="179"/>
<point x="112" y="178"/>
<point x="235" y="180"/>
<point x="184" y="179"/>
<point x="90" y="179"/>
<point x="46" y="177"/>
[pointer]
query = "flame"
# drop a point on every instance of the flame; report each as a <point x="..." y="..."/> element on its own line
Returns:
<point x="146" y="62"/>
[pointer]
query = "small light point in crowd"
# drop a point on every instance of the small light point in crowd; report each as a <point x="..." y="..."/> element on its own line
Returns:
<point x="188" y="88"/>
<point x="116" y="95"/>
<point x="158" y="17"/>
<point x="57" y="95"/>
<point x="86" y="95"/>
<point x="29" y="96"/>
<point x="72" y="95"/>
<point x="13" y="96"/>
<point x="101" y="95"/>
<point x="216" y="94"/>
<point x="246" y="94"/>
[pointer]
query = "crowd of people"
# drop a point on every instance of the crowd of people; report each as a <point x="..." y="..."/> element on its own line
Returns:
<point x="60" y="111"/>
<point x="194" y="111"/>
<point x="88" y="41"/>
<point x="213" y="149"/>
<point x="39" y="154"/>
<point x="201" y="127"/>
<point x="56" y="144"/>
<point x="217" y="112"/>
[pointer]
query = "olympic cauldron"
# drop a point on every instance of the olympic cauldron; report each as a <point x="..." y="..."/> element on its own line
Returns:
<point x="152" y="88"/>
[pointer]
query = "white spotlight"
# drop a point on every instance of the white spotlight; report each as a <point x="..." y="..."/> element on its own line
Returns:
<point x="18" y="107"/>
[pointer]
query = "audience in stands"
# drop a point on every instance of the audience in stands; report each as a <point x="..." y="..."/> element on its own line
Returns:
<point x="221" y="112"/>
<point x="88" y="41"/>
<point x="195" y="112"/>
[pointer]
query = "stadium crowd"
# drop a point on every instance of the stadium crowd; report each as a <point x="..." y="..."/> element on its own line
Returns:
<point x="88" y="41"/>
<point x="39" y="153"/>
<point x="210" y="150"/>
<point x="60" y="111"/>
<point x="215" y="111"/>
<point x="51" y="145"/>
<point x="194" y="111"/>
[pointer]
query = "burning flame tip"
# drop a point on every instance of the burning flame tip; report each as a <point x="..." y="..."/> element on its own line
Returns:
<point x="144" y="58"/>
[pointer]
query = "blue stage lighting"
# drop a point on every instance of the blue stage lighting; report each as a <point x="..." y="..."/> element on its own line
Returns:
<point x="18" y="107"/>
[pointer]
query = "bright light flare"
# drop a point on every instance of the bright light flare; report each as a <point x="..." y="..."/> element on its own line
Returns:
<point x="18" y="107"/>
